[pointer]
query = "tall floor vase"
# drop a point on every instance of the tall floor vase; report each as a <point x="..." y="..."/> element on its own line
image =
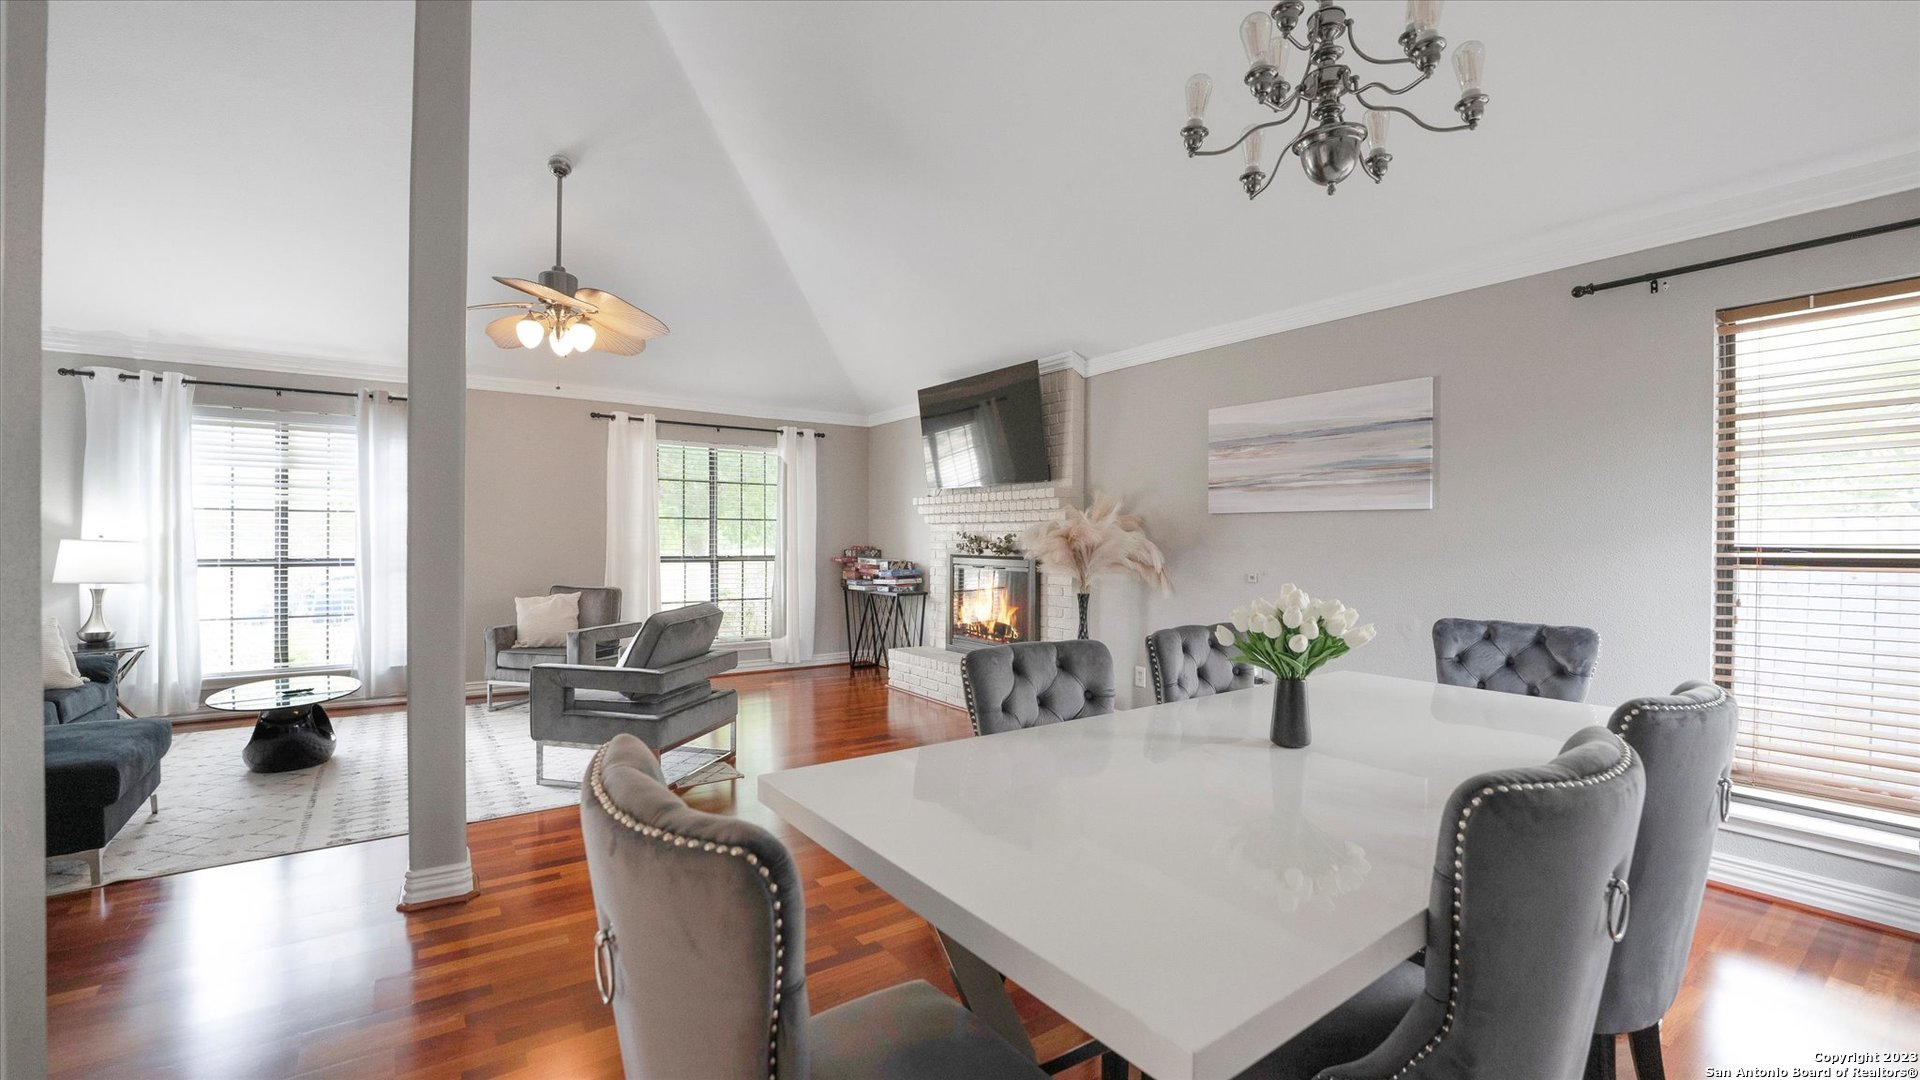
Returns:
<point x="1083" y="597"/>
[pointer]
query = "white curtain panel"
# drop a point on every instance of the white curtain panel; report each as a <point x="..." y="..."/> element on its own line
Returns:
<point x="633" y="513"/>
<point x="137" y="484"/>
<point x="380" y="563"/>
<point x="799" y="519"/>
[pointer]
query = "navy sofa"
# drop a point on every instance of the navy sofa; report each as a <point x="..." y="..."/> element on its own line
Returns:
<point x="100" y="768"/>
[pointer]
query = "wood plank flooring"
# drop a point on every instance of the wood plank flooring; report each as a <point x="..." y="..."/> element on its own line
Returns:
<point x="299" y="965"/>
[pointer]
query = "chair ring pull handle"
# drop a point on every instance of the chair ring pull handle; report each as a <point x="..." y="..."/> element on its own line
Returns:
<point x="603" y="965"/>
<point x="1726" y="798"/>
<point x="1619" y="907"/>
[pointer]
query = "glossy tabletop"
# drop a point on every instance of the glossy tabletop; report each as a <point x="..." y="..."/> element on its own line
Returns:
<point x="1165" y="877"/>
<point x="287" y="693"/>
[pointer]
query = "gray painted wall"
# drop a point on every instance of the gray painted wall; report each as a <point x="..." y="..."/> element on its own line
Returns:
<point x="1573" y="468"/>
<point x="536" y="490"/>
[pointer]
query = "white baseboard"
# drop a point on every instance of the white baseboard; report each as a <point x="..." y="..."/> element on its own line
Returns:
<point x="429" y="884"/>
<point x="1862" y="902"/>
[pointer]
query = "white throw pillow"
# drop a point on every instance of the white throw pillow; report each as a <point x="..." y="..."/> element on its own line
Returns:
<point x="543" y="622"/>
<point x="57" y="669"/>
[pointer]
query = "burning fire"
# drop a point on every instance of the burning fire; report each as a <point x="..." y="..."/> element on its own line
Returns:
<point x="985" y="614"/>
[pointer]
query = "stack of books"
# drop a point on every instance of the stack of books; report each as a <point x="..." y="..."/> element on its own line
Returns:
<point x="882" y="576"/>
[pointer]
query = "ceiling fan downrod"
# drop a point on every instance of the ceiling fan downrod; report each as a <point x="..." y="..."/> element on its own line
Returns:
<point x="558" y="278"/>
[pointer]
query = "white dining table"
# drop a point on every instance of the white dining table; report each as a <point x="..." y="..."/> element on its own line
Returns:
<point x="1166" y="878"/>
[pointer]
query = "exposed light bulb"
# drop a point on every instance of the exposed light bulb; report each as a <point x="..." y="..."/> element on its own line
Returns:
<point x="1423" y="15"/>
<point x="1254" y="30"/>
<point x="530" y="330"/>
<point x="1199" y="90"/>
<point x="1470" y="62"/>
<point x="581" y="336"/>
<point x="1377" y="128"/>
<point x="558" y="343"/>
<point x="1277" y="52"/>
<point x="1251" y="151"/>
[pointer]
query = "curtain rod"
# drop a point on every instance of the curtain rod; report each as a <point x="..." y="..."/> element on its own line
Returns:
<point x="128" y="376"/>
<point x="716" y="427"/>
<point x="1784" y="249"/>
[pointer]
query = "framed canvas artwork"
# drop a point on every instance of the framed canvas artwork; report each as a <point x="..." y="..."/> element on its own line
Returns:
<point x="1367" y="448"/>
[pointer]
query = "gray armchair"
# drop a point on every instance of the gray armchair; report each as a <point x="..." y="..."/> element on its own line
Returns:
<point x="657" y="690"/>
<point x="700" y="953"/>
<point x="1685" y="741"/>
<point x="1516" y="658"/>
<point x="1187" y="662"/>
<point x="1516" y="959"/>
<point x="599" y="610"/>
<point x="1031" y="683"/>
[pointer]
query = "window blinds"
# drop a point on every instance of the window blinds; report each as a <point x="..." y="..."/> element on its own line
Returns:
<point x="1817" y="542"/>
<point x="274" y="497"/>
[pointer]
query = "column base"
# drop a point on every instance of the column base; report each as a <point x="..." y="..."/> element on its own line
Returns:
<point x="434" y="886"/>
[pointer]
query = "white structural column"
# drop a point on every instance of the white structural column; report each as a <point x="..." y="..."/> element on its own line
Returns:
<point x="439" y="869"/>
<point x="23" y="839"/>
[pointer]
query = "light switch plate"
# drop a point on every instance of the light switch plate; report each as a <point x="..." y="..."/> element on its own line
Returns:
<point x="1140" y="676"/>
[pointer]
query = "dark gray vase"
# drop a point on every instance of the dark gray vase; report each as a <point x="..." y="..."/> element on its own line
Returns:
<point x="1290" y="714"/>
<point x="1083" y="616"/>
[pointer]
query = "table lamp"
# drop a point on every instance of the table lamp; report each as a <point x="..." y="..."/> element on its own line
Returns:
<point x="97" y="564"/>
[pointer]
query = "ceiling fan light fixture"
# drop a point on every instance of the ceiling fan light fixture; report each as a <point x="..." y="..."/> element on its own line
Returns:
<point x="581" y="336"/>
<point x="530" y="330"/>
<point x="559" y="343"/>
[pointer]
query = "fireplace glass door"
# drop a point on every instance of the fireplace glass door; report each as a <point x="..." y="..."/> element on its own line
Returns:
<point x="992" y="602"/>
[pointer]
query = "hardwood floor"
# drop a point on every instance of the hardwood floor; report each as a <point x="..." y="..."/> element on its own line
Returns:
<point x="299" y="965"/>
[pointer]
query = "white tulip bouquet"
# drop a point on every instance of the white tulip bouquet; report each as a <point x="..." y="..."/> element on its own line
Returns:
<point x="1294" y="634"/>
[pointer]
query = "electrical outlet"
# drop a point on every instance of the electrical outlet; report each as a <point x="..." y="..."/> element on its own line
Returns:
<point x="1140" y="676"/>
<point x="1253" y="576"/>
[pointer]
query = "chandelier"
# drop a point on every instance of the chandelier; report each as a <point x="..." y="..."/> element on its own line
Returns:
<point x="1329" y="145"/>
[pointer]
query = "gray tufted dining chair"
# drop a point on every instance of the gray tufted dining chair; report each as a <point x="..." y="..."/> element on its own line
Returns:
<point x="1685" y="741"/>
<point x="701" y="953"/>
<point x="1526" y="903"/>
<point x="1187" y="662"/>
<point x="1516" y="658"/>
<point x="1030" y="683"/>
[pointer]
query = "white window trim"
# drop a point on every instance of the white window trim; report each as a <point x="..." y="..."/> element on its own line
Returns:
<point x="777" y="611"/>
<point x="1845" y="831"/>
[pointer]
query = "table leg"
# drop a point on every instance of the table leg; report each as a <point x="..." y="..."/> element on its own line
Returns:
<point x="984" y="992"/>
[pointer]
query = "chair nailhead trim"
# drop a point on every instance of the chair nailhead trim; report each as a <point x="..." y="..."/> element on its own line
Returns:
<point x="1159" y="681"/>
<point x="1460" y="880"/>
<point x="653" y="832"/>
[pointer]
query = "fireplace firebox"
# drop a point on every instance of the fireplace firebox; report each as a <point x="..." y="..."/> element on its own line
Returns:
<point x="992" y="601"/>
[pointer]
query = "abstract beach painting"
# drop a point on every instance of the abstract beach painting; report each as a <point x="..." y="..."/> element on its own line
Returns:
<point x="1368" y="448"/>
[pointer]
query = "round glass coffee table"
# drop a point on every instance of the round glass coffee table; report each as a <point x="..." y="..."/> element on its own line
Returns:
<point x="293" y="731"/>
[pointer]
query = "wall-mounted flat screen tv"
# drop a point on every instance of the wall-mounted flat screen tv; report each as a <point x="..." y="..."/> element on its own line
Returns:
<point x="986" y="430"/>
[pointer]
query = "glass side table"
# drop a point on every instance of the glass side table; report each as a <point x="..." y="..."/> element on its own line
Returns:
<point x="293" y="731"/>
<point x="124" y="656"/>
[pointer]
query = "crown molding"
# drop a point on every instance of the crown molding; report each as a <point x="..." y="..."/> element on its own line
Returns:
<point x="889" y="416"/>
<point x="1603" y="238"/>
<point x="119" y="346"/>
<point x="610" y="395"/>
<point x="115" y="346"/>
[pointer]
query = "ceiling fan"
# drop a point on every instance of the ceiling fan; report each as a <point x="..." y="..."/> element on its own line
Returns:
<point x="568" y="318"/>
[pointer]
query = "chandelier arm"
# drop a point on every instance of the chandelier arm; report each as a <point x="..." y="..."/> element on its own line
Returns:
<point x="1293" y="147"/>
<point x="1243" y="135"/>
<point x="1354" y="44"/>
<point x="1411" y="116"/>
<point x="1293" y="98"/>
<point x="1391" y="92"/>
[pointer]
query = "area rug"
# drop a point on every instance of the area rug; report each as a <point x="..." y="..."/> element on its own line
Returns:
<point x="213" y="811"/>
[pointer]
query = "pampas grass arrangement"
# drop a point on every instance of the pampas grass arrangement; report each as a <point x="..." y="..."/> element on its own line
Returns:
<point x="1099" y="540"/>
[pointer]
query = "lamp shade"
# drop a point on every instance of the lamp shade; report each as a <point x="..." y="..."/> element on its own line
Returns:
<point x="99" y="562"/>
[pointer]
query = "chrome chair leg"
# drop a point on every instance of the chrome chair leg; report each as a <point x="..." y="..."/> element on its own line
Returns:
<point x="153" y="804"/>
<point x="92" y="859"/>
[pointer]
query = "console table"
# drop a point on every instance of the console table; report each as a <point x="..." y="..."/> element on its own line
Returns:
<point x="878" y="621"/>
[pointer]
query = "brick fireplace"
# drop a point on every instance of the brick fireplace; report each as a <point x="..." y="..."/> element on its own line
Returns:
<point x="933" y="670"/>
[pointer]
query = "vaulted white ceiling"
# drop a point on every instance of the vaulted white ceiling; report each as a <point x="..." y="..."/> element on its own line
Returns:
<point x="833" y="204"/>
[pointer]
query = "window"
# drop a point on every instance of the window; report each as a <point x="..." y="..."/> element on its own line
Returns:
<point x="720" y="534"/>
<point x="273" y="504"/>
<point x="1817" y="543"/>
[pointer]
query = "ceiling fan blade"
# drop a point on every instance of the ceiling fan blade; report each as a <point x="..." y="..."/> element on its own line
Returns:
<point x="551" y="296"/>
<point x="621" y="317"/>
<point x="508" y="303"/>
<point x="502" y="332"/>
<point x="613" y="339"/>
